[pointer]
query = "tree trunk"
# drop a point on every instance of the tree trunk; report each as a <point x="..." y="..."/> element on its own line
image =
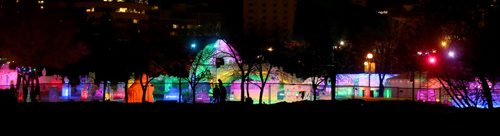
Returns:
<point x="18" y="82"/>
<point x="32" y="88"/>
<point x="194" y="94"/>
<point x="333" y="84"/>
<point x="314" y="91"/>
<point x="180" y="90"/>
<point x="144" y="88"/>
<point x="486" y="91"/>
<point x="25" y="88"/>
<point x="381" y="90"/>
<point x="261" y="93"/>
<point x="242" y="86"/>
<point x="126" y="92"/>
<point x="248" y="90"/>
<point x="104" y="91"/>
<point x="144" y="91"/>
<point x="381" y="86"/>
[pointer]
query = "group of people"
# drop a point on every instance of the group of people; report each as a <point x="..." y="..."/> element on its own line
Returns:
<point x="219" y="93"/>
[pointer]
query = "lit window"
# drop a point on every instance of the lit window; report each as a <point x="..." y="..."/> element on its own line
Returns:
<point x="175" y="26"/>
<point x="122" y="10"/>
<point x="120" y="0"/>
<point x="40" y="2"/>
<point x="90" y="10"/>
<point x="135" y="21"/>
<point x="155" y="8"/>
<point x="41" y="7"/>
<point x="108" y="0"/>
<point x="172" y="33"/>
<point x="383" y="12"/>
<point x="17" y="1"/>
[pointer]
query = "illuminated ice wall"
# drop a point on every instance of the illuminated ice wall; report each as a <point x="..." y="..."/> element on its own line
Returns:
<point x="362" y="86"/>
<point x="7" y="76"/>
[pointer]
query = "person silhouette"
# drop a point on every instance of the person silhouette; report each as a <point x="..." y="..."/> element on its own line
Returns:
<point x="223" y="92"/>
<point x="216" y="94"/>
<point x="302" y="94"/>
<point x="13" y="92"/>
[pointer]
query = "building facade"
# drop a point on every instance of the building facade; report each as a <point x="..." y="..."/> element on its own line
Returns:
<point x="269" y="17"/>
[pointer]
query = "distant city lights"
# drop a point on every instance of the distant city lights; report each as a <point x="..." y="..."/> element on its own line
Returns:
<point x="270" y="49"/>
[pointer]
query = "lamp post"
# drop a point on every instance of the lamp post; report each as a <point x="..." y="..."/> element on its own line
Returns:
<point x="333" y="71"/>
<point x="369" y="57"/>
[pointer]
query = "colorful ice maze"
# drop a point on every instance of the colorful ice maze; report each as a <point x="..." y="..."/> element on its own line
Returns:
<point x="281" y="86"/>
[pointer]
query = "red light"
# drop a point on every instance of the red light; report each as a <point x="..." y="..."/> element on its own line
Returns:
<point x="432" y="60"/>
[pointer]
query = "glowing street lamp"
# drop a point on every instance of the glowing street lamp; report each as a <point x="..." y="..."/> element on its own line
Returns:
<point x="342" y="43"/>
<point x="270" y="49"/>
<point x="444" y="44"/>
<point x="419" y="53"/>
<point x="369" y="56"/>
<point x="451" y="54"/>
<point x="193" y="45"/>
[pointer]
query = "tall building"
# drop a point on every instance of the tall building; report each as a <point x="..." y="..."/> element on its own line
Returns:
<point x="188" y="18"/>
<point x="125" y="10"/>
<point x="269" y="17"/>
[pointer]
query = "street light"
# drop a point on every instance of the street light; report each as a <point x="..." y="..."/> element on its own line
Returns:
<point x="443" y="44"/>
<point x="270" y="49"/>
<point x="451" y="54"/>
<point x="193" y="45"/>
<point x="369" y="56"/>
<point x="342" y="43"/>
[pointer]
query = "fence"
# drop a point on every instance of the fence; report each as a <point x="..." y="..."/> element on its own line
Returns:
<point x="272" y="93"/>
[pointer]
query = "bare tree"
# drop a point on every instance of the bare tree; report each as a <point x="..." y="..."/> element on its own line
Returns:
<point x="263" y="69"/>
<point x="199" y="70"/>
<point x="244" y="67"/>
